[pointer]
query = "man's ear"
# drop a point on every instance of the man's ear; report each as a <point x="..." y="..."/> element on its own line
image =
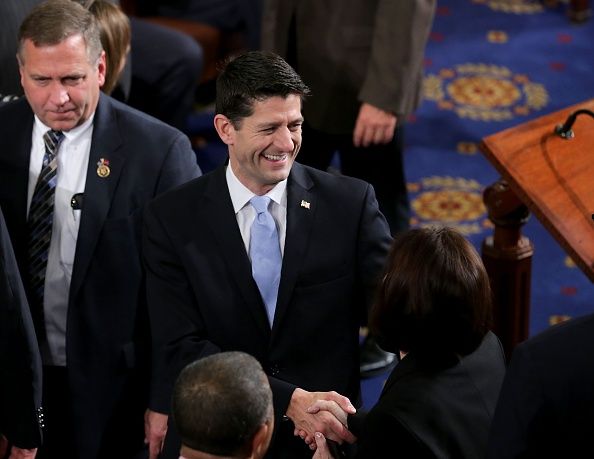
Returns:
<point x="224" y="128"/>
<point x="101" y="69"/>
<point x="261" y="440"/>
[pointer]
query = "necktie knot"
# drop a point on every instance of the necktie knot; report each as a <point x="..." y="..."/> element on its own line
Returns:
<point x="52" y="140"/>
<point x="260" y="203"/>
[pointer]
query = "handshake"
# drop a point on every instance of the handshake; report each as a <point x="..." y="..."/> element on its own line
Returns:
<point x="321" y="415"/>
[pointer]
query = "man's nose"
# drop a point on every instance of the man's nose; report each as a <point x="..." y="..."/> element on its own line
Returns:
<point x="283" y="140"/>
<point x="59" y="95"/>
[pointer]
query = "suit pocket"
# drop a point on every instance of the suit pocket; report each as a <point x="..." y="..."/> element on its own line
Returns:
<point x="314" y="281"/>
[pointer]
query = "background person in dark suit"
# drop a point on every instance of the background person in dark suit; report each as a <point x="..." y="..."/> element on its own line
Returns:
<point x="91" y="321"/>
<point x="222" y="406"/>
<point x="12" y="13"/>
<point x="363" y="60"/>
<point x="21" y="414"/>
<point x="434" y="308"/>
<point x="202" y="295"/>
<point x="546" y="405"/>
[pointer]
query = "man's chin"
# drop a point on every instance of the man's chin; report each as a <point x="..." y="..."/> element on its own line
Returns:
<point x="62" y="123"/>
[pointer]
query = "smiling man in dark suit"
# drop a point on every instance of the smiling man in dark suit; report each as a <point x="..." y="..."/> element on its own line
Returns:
<point x="76" y="168"/>
<point x="204" y="274"/>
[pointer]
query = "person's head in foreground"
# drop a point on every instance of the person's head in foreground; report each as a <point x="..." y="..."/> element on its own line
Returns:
<point x="434" y="299"/>
<point x="258" y="116"/>
<point x="222" y="407"/>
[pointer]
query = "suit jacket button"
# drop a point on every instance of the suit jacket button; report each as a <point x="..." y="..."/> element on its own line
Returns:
<point x="274" y="370"/>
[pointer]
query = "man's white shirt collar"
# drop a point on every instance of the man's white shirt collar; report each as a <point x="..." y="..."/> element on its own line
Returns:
<point x="241" y="195"/>
<point x="72" y="134"/>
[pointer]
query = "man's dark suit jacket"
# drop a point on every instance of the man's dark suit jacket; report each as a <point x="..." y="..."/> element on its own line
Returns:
<point x="20" y="363"/>
<point x="203" y="299"/>
<point x="431" y="411"/>
<point x="546" y="406"/>
<point x="106" y="324"/>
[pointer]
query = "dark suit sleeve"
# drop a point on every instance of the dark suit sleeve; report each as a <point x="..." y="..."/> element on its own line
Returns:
<point x="374" y="244"/>
<point x="180" y="164"/>
<point x="176" y="325"/>
<point x="20" y="363"/>
<point x="519" y="409"/>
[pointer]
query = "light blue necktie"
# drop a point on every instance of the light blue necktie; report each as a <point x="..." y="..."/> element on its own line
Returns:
<point x="265" y="254"/>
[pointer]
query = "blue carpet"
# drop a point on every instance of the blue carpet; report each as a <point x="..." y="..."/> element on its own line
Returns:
<point x="490" y="65"/>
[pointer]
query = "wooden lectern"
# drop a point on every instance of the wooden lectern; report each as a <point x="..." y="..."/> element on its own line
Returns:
<point x="551" y="176"/>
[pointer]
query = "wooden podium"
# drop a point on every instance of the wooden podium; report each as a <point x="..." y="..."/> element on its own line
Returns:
<point x="552" y="177"/>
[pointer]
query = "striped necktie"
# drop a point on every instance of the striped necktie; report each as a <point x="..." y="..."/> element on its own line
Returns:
<point x="265" y="254"/>
<point x="41" y="214"/>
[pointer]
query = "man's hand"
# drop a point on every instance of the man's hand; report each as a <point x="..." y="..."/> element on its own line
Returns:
<point x="325" y="422"/>
<point x="155" y="428"/>
<point x="22" y="453"/>
<point x="324" y="405"/>
<point x="322" y="451"/>
<point x="374" y="126"/>
<point x="332" y="407"/>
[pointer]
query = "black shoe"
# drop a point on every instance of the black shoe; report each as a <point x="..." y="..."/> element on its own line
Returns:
<point x="374" y="360"/>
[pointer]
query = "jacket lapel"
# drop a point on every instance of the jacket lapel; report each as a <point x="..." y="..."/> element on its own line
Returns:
<point x="223" y="224"/>
<point x="301" y="209"/>
<point x="99" y="191"/>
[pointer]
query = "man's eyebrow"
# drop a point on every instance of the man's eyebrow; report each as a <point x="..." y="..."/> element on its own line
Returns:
<point x="268" y="125"/>
<point x="264" y="125"/>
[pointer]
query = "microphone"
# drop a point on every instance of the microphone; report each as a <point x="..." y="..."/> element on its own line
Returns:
<point x="564" y="130"/>
<point x="76" y="202"/>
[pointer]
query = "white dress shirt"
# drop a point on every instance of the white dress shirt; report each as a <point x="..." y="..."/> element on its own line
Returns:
<point x="73" y="160"/>
<point x="246" y="214"/>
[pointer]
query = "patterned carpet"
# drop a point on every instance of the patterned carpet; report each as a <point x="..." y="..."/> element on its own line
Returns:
<point x="490" y="65"/>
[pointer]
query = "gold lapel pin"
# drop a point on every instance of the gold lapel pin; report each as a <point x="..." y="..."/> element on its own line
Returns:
<point x="103" y="169"/>
<point x="305" y="204"/>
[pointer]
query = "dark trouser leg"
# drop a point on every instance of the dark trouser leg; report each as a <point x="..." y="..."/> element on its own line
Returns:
<point x="382" y="166"/>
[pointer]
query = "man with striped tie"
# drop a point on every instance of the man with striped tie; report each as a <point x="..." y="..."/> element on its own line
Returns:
<point x="76" y="168"/>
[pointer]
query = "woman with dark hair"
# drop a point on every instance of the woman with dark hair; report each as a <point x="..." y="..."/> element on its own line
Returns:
<point x="433" y="309"/>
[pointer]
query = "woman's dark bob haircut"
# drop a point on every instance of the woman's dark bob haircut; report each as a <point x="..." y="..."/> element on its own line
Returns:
<point x="434" y="299"/>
